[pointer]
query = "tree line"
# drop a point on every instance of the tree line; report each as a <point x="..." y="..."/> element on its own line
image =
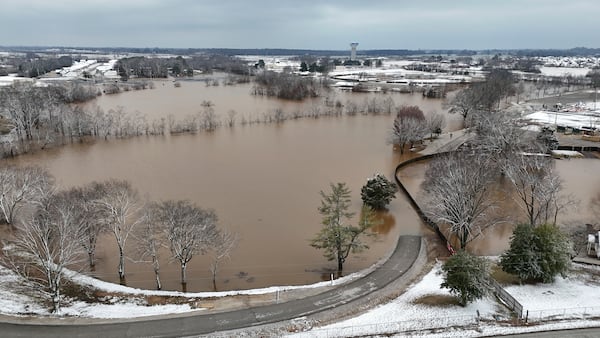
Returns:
<point x="55" y="230"/>
<point x="36" y="117"/>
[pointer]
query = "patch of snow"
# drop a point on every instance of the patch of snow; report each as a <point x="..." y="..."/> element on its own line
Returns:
<point x="13" y="302"/>
<point x="566" y="153"/>
<point x="565" y="295"/>
<point x="576" y="120"/>
<point x="564" y="71"/>
<point x="122" y="310"/>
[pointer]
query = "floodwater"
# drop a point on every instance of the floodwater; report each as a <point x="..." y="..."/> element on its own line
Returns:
<point x="580" y="183"/>
<point x="263" y="180"/>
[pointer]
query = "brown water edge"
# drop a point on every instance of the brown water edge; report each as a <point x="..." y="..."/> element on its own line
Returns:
<point x="580" y="180"/>
<point x="263" y="181"/>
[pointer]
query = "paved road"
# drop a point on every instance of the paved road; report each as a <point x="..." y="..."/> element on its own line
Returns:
<point x="404" y="256"/>
<point x="576" y="333"/>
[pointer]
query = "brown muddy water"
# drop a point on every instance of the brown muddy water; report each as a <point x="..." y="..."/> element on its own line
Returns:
<point x="263" y="181"/>
<point x="580" y="181"/>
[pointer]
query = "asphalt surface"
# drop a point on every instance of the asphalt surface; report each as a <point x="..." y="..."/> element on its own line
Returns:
<point x="402" y="259"/>
<point x="576" y="333"/>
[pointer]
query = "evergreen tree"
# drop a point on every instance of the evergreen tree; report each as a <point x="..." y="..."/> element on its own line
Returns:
<point x="303" y="67"/>
<point x="378" y="192"/>
<point x="467" y="276"/>
<point x="537" y="253"/>
<point x="337" y="238"/>
<point x="547" y="139"/>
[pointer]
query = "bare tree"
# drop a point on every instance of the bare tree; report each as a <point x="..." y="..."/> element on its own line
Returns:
<point x="536" y="187"/>
<point x="209" y="118"/>
<point x="46" y="245"/>
<point x="231" y="117"/>
<point x="189" y="229"/>
<point x="458" y="191"/>
<point x="435" y="122"/>
<point x="500" y="137"/>
<point x="88" y="217"/>
<point x="119" y="208"/>
<point x="462" y="103"/>
<point x="20" y="187"/>
<point x="409" y="127"/>
<point x="388" y="105"/>
<point x="26" y="105"/>
<point x="220" y="249"/>
<point x="150" y="239"/>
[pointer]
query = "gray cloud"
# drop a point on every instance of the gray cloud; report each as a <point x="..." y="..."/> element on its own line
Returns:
<point x="301" y="24"/>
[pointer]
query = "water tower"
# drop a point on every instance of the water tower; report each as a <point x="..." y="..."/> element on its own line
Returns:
<point x="353" y="45"/>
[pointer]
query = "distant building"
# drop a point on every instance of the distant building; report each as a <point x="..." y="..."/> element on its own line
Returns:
<point x="353" y="45"/>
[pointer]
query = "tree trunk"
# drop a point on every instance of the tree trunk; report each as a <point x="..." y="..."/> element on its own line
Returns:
<point x="183" y="277"/>
<point x="157" y="276"/>
<point x="214" y="278"/>
<point x="121" y="266"/>
<point x="55" y="298"/>
<point x="92" y="260"/>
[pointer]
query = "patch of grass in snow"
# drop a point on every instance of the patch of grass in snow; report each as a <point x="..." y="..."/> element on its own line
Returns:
<point x="437" y="300"/>
<point x="80" y="292"/>
<point x="503" y="277"/>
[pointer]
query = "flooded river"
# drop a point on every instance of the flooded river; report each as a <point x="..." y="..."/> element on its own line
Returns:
<point x="263" y="180"/>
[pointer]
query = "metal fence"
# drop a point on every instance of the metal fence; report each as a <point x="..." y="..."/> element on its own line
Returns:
<point x="507" y="298"/>
<point x="562" y="314"/>
<point x="393" y="327"/>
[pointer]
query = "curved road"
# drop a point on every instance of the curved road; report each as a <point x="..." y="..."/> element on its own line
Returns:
<point x="402" y="259"/>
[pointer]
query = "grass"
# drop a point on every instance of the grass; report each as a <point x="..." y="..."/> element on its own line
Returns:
<point x="437" y="300"/>
<point x="502" y="277"/>
<point x="5" y="126"/>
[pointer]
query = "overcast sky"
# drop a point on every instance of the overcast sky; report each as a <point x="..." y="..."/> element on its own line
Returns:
<point x="302" y="24"/>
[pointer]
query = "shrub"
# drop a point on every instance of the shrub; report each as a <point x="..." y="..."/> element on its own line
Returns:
<point x="378" y="192"/>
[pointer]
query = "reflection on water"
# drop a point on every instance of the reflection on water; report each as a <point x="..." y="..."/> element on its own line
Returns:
<point x="262" y="180"/>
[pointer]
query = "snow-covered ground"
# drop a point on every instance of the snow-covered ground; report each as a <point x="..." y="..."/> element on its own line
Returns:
<point x="564" y="71"/>
<point x="572" y="300"/>
<point x="570" y="119"/>
<point x="566" y="297"/>
<point x="12" y="78"/>
<point x="127" y="302"/>
<point x="407" y="313"/>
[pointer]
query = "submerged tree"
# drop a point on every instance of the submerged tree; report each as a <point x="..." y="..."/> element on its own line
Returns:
<point x="409" y="127"/>
<point x="459" y="195"/>
<point x="88" y="216"/>
<point x="150" y="239"/>
<point x="20" y="187"/>
<point x="119" y="208"/>
<point x="337" y="238"/>
<point x="536" y="187"/>
<point x="189" y="229"/>
<point x="378" y="192"/>
<point x="467" y="276"/>
<point x="222" y="246"/>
